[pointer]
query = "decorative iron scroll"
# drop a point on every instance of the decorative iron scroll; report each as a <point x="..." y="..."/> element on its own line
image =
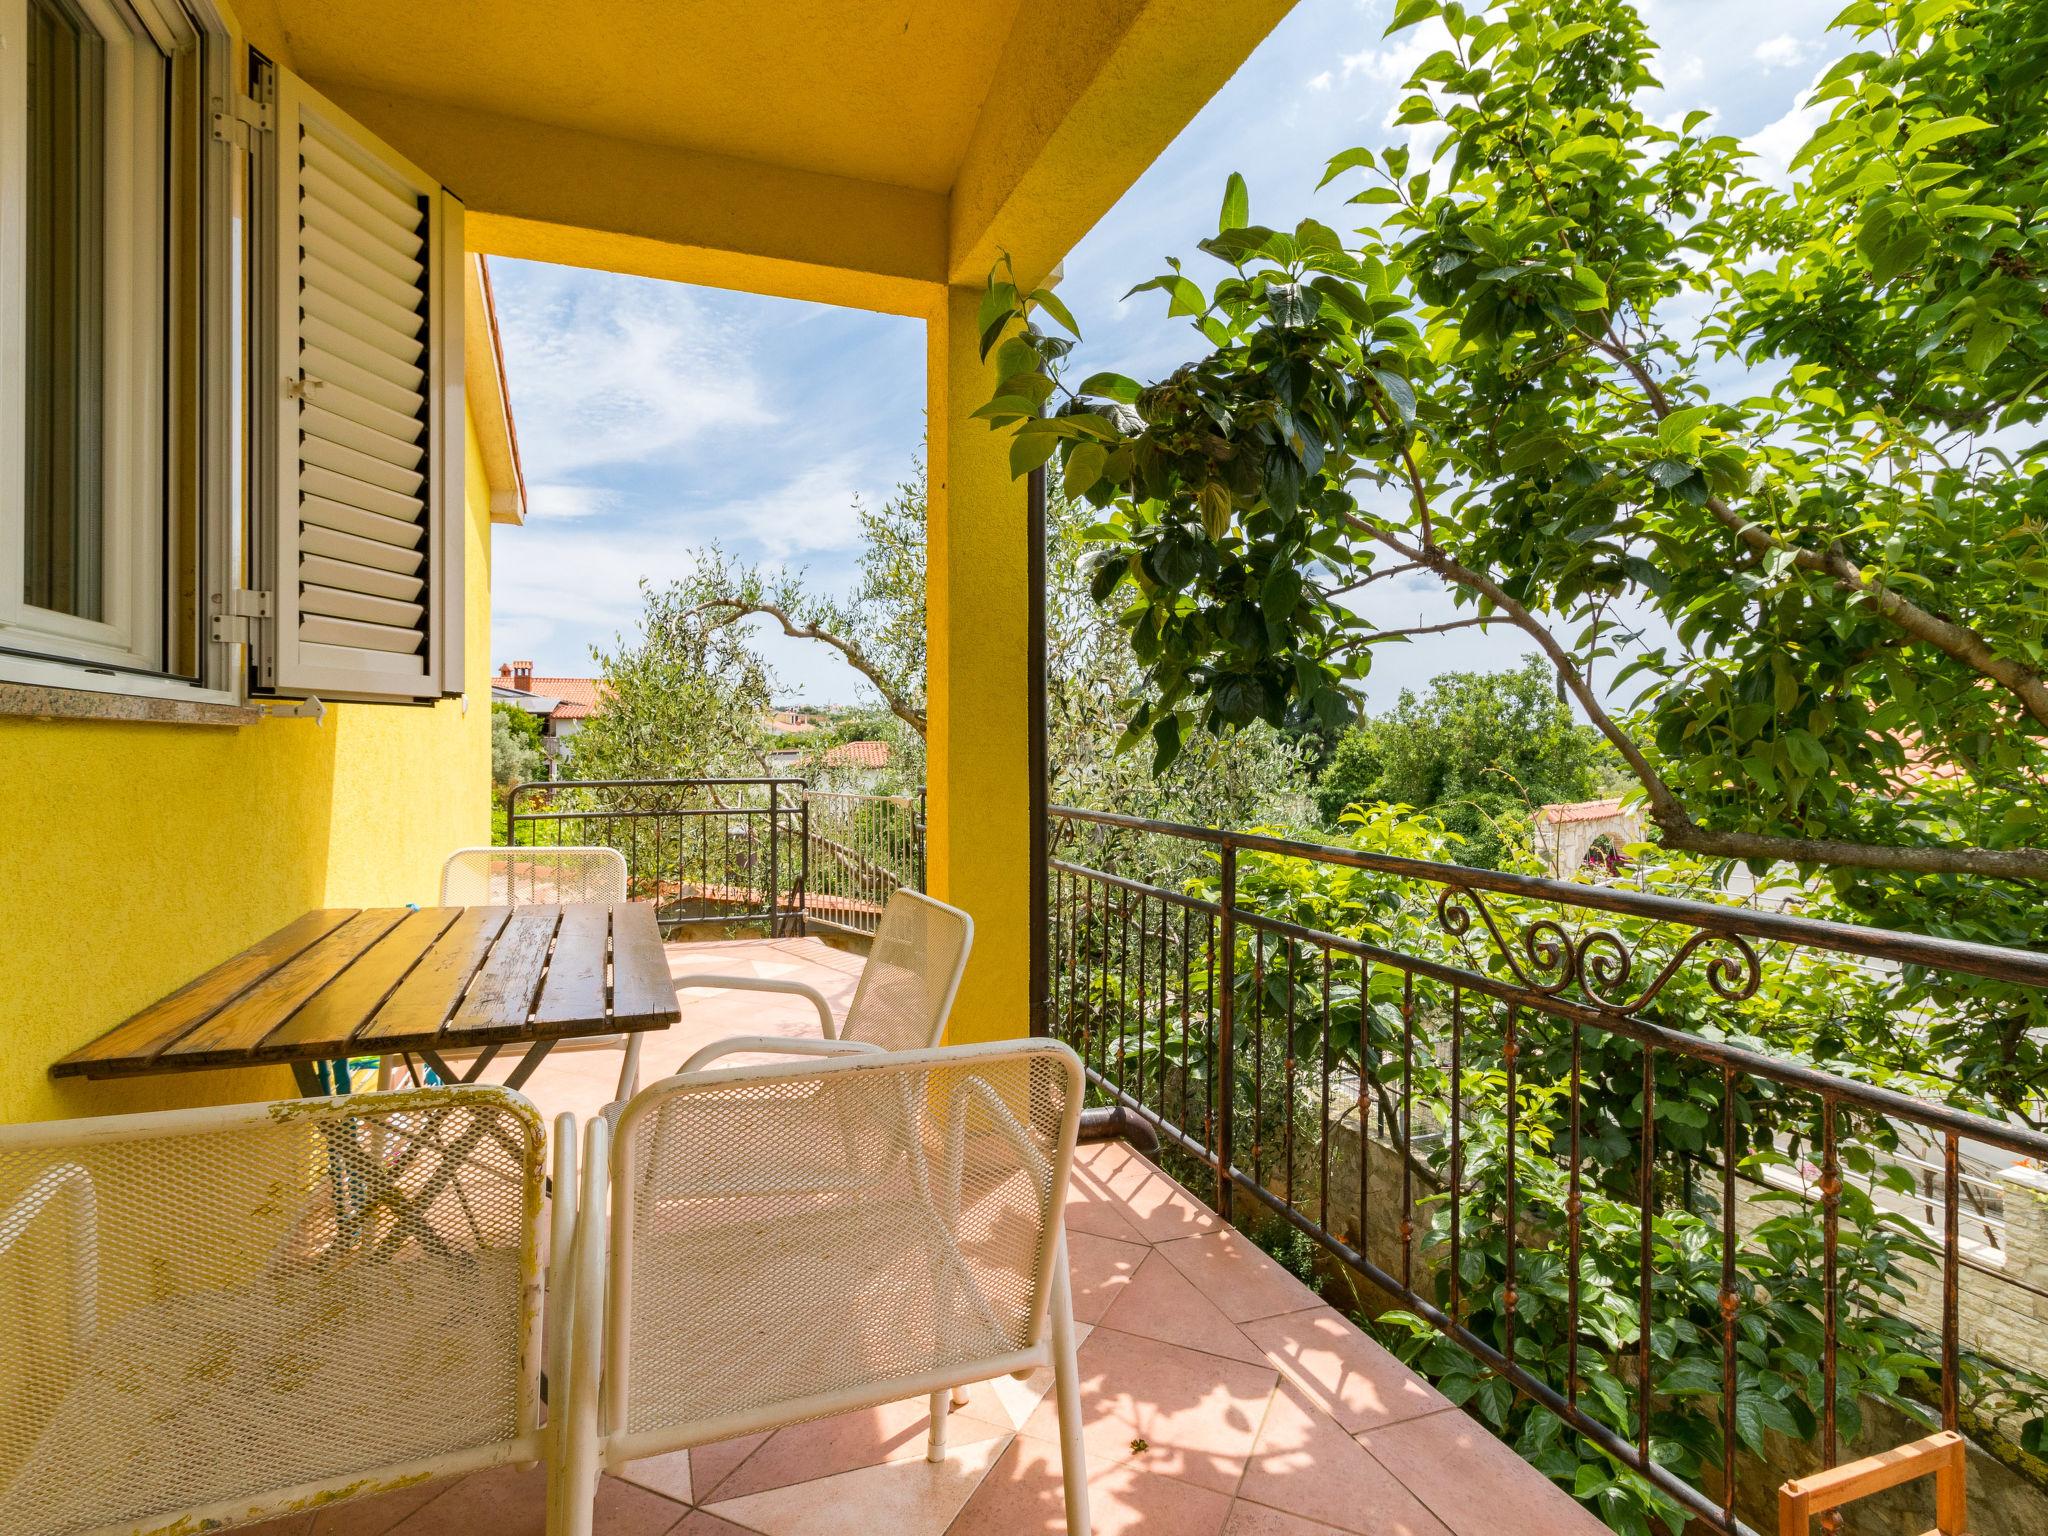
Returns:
<point x="1547" y="959"/>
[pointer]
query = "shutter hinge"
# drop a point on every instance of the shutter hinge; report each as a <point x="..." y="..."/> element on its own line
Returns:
<point x="238" y="118"/>
<point x="231" y="626"/>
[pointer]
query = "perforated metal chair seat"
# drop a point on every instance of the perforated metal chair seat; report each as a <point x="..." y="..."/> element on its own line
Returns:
<point x="166" y="1383"/>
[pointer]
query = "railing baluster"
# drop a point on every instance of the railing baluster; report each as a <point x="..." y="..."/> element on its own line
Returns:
<point x="1123" y="980"/>
<point x="1730" y="1299"/>
<point x="1323" y="1116"/>
<point x="1510" y="1299"/>
<point x="1226" y="1050"/>
<point x="1259" y="1057"/>
<point x="1831" y="1236"/>
<point x="1187" y="924"/>
<point x="1365" y="1078"/>
<point x="1408" y="1132"/>
<point x="1951" y="1279"/>
<point x="1647" y="1195"/>
<point x="1287" y="1103"/>
<point x="1457" y="1151"/>
<point x="1209" y="1029"/>
<point x="1574" y="1205"/>
<point x="1140" y="1095"/>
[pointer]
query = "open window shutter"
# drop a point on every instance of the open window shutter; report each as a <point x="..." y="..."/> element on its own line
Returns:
<point x="364" y="562"/>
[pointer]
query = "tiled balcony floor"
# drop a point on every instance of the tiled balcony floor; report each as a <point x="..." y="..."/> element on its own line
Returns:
<point x="1221" y="1397"/>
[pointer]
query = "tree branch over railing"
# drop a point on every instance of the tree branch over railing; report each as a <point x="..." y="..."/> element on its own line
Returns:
<point x="899" y="706"/>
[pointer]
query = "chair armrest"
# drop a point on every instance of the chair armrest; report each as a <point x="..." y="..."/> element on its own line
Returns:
<point x="767" y="984"/>
<point x="774" y="1045"/>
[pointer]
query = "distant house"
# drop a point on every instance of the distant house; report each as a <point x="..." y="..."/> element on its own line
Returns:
<point x="790" y="726"/>
<point x="562" y="703"/>
<point x="1576" y="833"/>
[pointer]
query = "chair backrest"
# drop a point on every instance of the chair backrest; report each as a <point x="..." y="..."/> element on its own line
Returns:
<point x="913" y="970"/>
<point x="795" y="1239"/>
<point x="498" y="877"/>
<point x="208" y="1316"/>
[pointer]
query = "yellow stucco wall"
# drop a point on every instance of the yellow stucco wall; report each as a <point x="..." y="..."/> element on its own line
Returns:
<point x="133" y="857"/>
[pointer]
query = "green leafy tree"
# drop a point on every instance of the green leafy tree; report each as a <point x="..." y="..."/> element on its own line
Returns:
<point x="1587" y="360"/>
<point x="1479" y="750"/>
<point x="515" y="746"/>
<point x="878" y="630"/>
<point x="682" y="700"/>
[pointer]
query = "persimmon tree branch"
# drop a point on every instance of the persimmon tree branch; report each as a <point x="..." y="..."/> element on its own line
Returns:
<point x="1957" y="641"/>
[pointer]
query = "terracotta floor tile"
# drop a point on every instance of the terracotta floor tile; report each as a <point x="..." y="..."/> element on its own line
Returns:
<point x="503" y="1502"/>
<point x="507" y="1502"/>
<point x="1159" y="1208"/>
<point x="667" y="1475"/>
<point x="825" y="1447"/>
<point x="1249" y="1519"/>
<point x="1304" y="1464"/>
<point x="1239" y="1276"/>
<point x="701" y="1522"/>
<point x="376" y="1516"/>
<point x="1344" y="1373"/>
<point x="712" y="1464"/>
<point x="1100" y="1267"/>
<point x="1467" y="1477"/>
<point x="1023" y="1496"/>
<point x="1196" y="1415"/>
<point x="902" y="1498"/>
<point x="1159" y="1302"/>
<point x="1091" y="1208"/>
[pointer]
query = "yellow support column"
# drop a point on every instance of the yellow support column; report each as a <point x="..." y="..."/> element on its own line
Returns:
<point x="978" y="601"/>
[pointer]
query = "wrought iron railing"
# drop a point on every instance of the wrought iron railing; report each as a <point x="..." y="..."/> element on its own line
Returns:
<point x="1556" y="1123"/>
<point x="736" y="853"/>
<point x="861" y="849"/>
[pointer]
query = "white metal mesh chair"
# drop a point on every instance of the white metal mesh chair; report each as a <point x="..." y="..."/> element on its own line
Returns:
<point x="218" y="1315"/>
<point x="497" y="877"/>
<point x="750" y="1284"/>
<point x="901" y="1003"/>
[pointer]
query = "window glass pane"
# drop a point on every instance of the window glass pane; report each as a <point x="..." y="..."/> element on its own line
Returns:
<point x="66" y="525"/>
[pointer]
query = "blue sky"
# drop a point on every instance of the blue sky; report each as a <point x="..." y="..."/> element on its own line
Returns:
<point x="654" y="418"/>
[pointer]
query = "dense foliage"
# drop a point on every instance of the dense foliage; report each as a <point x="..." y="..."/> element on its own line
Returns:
<point x="1480" y="751"/>
<point x="1587" y="363"/>
<point x="681" y="700"/>
<point x="516" y="752"/>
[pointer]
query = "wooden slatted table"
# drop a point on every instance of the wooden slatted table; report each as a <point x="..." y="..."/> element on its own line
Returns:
<point x="394" y="981"/>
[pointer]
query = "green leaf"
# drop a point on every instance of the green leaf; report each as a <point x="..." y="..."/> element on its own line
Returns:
<point x="1049" y="301"/>
<point x="1349" y="160"/>
<point x="1934" y="133"/>
<point x="1665" y="473"/>
<point x="1237" y="205"/>
<point x="1165" y="743"/>
<point x="1028" y="451"/>
<point x="1083" y="467"/>
<point x="1111" y="386"/>
<point x="1400" y="393"/>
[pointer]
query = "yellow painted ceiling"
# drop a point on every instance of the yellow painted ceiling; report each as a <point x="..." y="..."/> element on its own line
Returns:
<point x="880" y="90"/>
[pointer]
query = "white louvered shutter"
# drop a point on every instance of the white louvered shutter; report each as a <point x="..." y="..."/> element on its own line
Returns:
<point x="365" y="561"/>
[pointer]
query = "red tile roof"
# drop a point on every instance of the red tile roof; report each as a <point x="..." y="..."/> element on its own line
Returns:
<point x="577" y="697"/>
<point x="1580" y="810"/>
<point x="859" y="754"/>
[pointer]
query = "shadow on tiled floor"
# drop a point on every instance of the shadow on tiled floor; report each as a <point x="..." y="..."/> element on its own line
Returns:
<point x="1221" y="1397"/>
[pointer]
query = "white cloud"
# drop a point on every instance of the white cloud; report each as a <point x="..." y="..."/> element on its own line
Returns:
<point x="1321" y="82"/>
<point x="555" y="500"/>
<point x="810" y="513"/>
<point x="1781" y="52"/>
<point x="618" y="370"/>
<point x="1772" y="146"/>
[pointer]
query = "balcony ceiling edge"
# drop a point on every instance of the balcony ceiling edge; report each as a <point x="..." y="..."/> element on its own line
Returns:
<point x="552" y="194"/>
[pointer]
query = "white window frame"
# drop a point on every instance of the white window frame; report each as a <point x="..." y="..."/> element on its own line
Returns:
<point x="140" y="50"/>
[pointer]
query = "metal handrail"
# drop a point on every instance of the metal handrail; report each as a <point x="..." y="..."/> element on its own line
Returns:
<point x="1092" y="937"/>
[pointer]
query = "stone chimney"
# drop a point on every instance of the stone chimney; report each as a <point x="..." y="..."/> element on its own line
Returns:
<point x="519" y="674"/>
